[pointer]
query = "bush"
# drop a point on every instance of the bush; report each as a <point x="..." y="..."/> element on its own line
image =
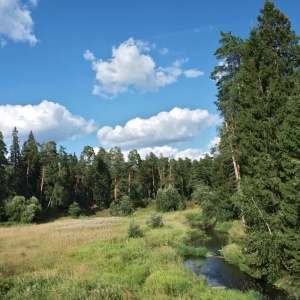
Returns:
<point x="114" y="208"/>
<point x="155" y="221"/>
<point x="169" y="200"/>
<point x="134" y="230"/>
<point x="23" y="210"/>
<point x="74" y="210"/>
<point x="213" y="205"/>
<point x="126" y="206"/>
<point x="123" y="207"/>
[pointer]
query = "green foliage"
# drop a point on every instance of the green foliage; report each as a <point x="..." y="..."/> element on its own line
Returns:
<point x="114" y="209"/>
<point x="195" y="219"/>
<point x="169" y="200"/>
<point x="258" y="97"/>
<point x="54" y="286"/>
<point x="134" y="230"/>
<point x="234" y="255"/>
<point x="19" y="209"/>
<point x="123" y="207"/>
<point x="155" y="221"/>
<point x="212" y="204"/>
<point x="188" y="251"/>
<point x="74" y="210"/>
<point x="173" y="283"/>
<point x="126" y="206"/>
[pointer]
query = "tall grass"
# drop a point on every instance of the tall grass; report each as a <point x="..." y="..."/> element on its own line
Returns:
<point x="93" y="258"/>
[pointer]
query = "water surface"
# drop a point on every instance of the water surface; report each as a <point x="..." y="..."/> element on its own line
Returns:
<point x="220" y="273"/>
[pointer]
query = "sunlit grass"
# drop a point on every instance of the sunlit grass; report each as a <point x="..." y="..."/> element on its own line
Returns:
<point x="93" y="258"/>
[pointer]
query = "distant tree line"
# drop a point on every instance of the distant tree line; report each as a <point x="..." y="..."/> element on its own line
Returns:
<point x="58" y="179"/>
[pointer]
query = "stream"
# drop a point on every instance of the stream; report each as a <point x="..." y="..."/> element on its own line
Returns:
<point x="220" y="273"/>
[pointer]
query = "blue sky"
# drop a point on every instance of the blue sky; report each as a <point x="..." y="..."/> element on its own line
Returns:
<point x="132" y="74"/>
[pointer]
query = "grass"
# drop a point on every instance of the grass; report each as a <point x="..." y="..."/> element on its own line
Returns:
<point x="93" y="258"/>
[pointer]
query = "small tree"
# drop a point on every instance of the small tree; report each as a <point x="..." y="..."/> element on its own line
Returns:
<point x="126" y="206"/>
<point x="123" y="207"/>
<point x="134" y="230"/>
<point x="19" y="209"/>
<point x="169" y="200"/>
<point x="74" y="210"/>
<point x="155" y="221"/>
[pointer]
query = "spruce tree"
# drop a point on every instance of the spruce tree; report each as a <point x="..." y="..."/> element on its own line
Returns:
<point x="258" y="97"/>
<point x="15" y="161"/>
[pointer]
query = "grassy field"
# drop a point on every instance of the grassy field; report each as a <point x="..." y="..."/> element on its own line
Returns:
<point x="93" y="258"/>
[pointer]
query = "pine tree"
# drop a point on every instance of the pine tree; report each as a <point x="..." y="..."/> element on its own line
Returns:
<point x="3" y="166"/>
<point x="31" y="162"/>
<point x="101" y="179"/>
<point x="117" y="168"/>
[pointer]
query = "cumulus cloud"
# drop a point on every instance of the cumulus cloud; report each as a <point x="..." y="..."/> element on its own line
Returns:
<point x="47" y="120"/>
<point x="131" y="68"/>
<point x="165" y="151"/>
<point x="192" y="73"/>
<point x="177" y="125"/>
<point x="16" y="22"/>
<point x="88" y="55"/>
<point x="214" y="143"/>
<point x="168" y="151"/>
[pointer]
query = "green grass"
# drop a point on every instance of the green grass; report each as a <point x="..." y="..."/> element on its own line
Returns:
<point x="93" y="258"/>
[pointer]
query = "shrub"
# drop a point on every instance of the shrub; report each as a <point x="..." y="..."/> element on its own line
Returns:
<point x="123" y="207"/>
<point x="134" y="230"/>
<point x="126" y="206"/>
<point x="19" y="209"/>
<point x="213" y="204"/>
<point x="169" y="200"/>
<point x="155" y="221"/>
<point x="74" y="210"/>
<point x="114" y="209"/>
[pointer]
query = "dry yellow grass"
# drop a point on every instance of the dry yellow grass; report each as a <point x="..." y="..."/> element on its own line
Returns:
<point x="29" y="248"/>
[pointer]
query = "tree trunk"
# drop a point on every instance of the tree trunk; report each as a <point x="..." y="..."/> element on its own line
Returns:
<point x="115" y="188"/>
<point x="237" y="170"/>
<point x="129" y="184"/>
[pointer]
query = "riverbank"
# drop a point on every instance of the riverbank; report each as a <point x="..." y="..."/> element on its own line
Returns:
<point x="93" y="258"/>
<point x="235" y="255"/>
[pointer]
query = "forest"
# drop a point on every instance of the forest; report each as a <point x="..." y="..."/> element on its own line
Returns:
<point x="252" y="176"/>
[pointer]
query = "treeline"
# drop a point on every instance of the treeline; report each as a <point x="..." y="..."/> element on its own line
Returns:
<point x="58" y="179"/>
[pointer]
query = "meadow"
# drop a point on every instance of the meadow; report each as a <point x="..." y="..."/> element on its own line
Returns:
<point x="93" y="258"/>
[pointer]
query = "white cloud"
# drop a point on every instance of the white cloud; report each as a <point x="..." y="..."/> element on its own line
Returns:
<point x="214" y="143"/>
<point x="168" y="151"/>
<point x="176" y="126"/>
<point x="165" y="151"/>
<point x="164" y="51"/>
<point x="34" y="2"/>
<point x="47" y="120"/>
<point x="193" y="73"/>
<point x="88" y="55"/>
<point x="16" y="22"/>
<point x="131" y="68"/>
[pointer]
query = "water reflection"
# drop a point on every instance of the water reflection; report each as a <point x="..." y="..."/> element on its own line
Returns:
<point x="219" y="273"/>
